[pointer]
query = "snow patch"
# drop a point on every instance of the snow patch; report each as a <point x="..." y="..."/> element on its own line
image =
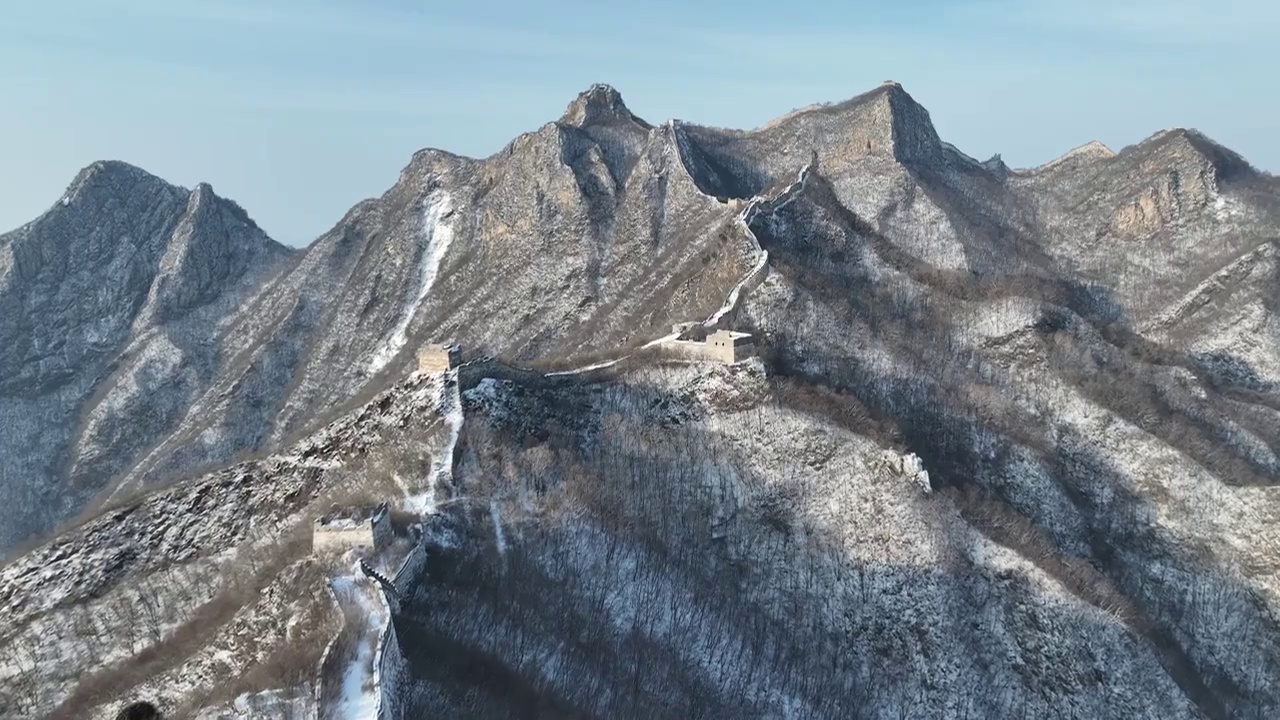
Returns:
<point x="588" y="368"/>
<point x="499" y="539"/>
<point x="609" y="363"/>
<point x="1225" y="209"/>
<point x="660" y="341"/>
<point x="358" y="699"/>
<point x="424" y="503"/>
<point x="615" y="361"/>
<point x="438" y="234"/>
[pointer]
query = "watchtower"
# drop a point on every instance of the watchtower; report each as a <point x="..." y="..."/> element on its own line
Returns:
<point x="729" y="346"/>
<point x="438" y="358"/>
<point x="368" y="527"/>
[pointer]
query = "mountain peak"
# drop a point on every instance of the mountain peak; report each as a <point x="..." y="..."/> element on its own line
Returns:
<point x="202" y="201"/>
<point x="1175" y="139"/>
<point x="104" y="179"/>
<point x="203" y="193"/>
<point x="111" y="172"/>
<point x="996" y="165"/>
<point x="894" y="89"/>
<point x="598" y="104"/>
<point x="1190" y="143"/>
<point x="107" y="184"/>
<point x="914" y="137"/>
<point x="1095" y="147"/>
<point x="884" y="121"/>
<point x="115" y="167"/>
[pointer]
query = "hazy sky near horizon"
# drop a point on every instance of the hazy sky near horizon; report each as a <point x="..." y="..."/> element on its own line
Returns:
<point x="298" y="109"/>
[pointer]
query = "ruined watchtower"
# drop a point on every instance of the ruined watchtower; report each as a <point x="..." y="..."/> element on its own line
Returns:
<point x="343" y="529"/>
<point x="438" y="358"/>
<point x="729" y="346"/>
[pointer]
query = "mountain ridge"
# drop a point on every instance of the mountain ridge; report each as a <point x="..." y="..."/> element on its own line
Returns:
<point x="599" y="144"/>
<point x="1008" y="429"/>
<point x="112" y="279"/>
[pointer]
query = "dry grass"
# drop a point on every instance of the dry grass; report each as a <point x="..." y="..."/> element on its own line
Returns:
<point x="243" y="586"/>
<point x="289" y="664"/>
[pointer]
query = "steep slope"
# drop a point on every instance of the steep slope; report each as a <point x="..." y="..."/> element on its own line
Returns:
<point x="108" y="305"/>
<point x="668" y="541"/>
<point x="1154" y="220"/>
<point x="205" y="592"/>
<point x="635" y="549"/>
<point x="1119" y="452"/>
<point x="1230" y="322"/>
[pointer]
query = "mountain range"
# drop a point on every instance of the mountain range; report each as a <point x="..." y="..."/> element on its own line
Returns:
<point x="1083" y="356"/>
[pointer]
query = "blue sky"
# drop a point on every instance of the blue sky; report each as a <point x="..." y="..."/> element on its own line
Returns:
<point x="298" y="109"/>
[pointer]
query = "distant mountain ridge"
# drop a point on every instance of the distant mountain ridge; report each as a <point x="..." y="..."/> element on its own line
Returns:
<point x="600" y="208"/>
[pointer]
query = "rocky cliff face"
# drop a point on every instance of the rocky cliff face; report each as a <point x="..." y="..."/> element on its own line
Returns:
<point x="1084" y="357"/>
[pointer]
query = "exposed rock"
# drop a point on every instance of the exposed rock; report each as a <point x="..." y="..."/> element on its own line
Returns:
<point x="597" y="104"/>
<point x="1163" y="203"/>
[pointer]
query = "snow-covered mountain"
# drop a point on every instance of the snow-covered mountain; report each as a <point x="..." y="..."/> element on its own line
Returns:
<point x="594" y="225"/>
<point x="1009" y="447"/>
<point x="114" y="308"/>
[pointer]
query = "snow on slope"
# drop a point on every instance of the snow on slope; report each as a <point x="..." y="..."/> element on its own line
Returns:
<point x="732" y="301"/>
<point x="439" y="234"/>
<point x="358" y="699"/>
<point x="752" y="278"/>
<point x="499" y="539"/>
<point x="660" y="341"/>
<point x="450" y="403"/>
<point x="588" y="368"/>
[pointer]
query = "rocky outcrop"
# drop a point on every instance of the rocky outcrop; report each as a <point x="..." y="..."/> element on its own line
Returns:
<point x="598" y="104"/>
<point x="1185" y="183"/>
<point x="997" y="166"/>
<point x="607" y="228"/>
<point x="1164" y="203"/>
